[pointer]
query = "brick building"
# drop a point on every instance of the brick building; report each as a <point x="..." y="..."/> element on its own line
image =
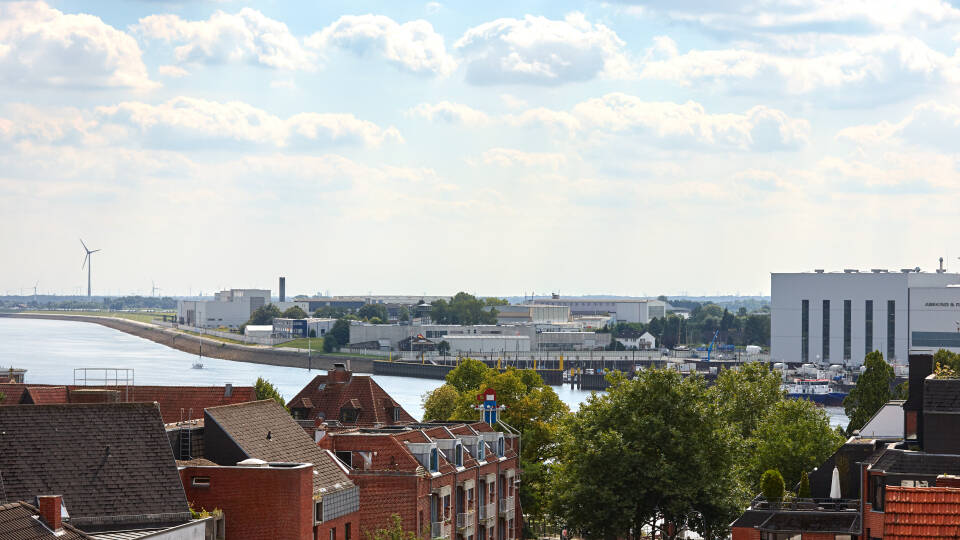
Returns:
<point x="22" y="521"/>
<point x="267" y="475"/>
<point x="455" y="481"/>
<point x="347" y="398"/>
<point x="177" y="403"/>
<point x="895" y="487"/>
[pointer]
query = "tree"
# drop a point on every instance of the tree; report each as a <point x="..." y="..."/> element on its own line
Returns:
<point x="392" y="532"/>
<point x="468" y="376"/>
<point x="329" y="312"/>
<point x="330" y="342"/>
<point x="654" y="452"/>
<point x="264" y="315"/>
<point x="404" y="314"/>
<point x="491" y="301"/>
<point x="312" y="333"/>
<point x="945" y="359"/>
<point x="294" y="312"/>
<point x="804" y="491"/>
<point x="371" y="311"/>
<point x="440" y="403"/>
<point x="795" y="436"/>
<point x="463" y="308"/>
<point x="341" y="332"/>
<point x="871" y="392"/>
<point x="772" y="485"/>
<point x="746" y="395"/>
<point x="264" y="389"/>
<point x="443" y="347"/>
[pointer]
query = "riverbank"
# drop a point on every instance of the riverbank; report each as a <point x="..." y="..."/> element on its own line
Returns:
<point x="212" y="348"/>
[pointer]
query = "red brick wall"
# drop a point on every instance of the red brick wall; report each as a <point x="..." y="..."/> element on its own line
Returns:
<point x="818" y="536"/>
<point x="745" y="533"/>
<point x="257" y="502"/>
<point x="339" y="527"/>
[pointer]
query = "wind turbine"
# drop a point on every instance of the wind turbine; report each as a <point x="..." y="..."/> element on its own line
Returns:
<point x="35" y="292"/>
<point x="88" y="262"/>
<point x="154" y="289"/>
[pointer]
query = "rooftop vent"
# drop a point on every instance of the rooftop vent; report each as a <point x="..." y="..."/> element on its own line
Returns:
<point x="819" y="270"/>
<point x="850" y="271"/>
<point x="252" y="462"/>
<point x="879" y="270"/>
<point x="906" y="270"/>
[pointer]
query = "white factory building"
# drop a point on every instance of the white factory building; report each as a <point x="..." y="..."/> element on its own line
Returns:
<point x="228" y="309"/>
<point x="631" y="310"/>
<point x="838" y="317"/>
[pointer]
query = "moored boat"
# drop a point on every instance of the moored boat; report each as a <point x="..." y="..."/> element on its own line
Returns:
<point x="816" y="390"/>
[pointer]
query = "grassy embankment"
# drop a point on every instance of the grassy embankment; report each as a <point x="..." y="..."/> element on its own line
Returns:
<point x="141" y="316"/>
<point x="314" y="344"/>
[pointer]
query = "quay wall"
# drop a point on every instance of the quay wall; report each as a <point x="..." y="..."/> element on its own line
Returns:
<point x="212" y="348"/>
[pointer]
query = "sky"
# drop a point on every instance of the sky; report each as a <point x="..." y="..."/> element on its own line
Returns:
<point x="501" y="148"/>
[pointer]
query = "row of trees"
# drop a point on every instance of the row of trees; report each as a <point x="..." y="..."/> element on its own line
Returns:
<point x="111" y="303"/>
<point x="657" y="449"/>
<point x="465" y="308"/>
<point x="739" y="329"/>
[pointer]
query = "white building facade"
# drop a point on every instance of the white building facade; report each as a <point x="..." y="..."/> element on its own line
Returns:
<point x="632" y="310"/>
<point x="228" y="309"/>
<point x="839" y="317"/>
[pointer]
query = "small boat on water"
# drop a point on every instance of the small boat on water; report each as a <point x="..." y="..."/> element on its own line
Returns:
<point x="197" y="365"/>
<point x="816" y="390"/>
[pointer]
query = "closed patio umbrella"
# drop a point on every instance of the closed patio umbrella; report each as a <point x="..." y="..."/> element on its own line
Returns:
<point x="835" y="484"/>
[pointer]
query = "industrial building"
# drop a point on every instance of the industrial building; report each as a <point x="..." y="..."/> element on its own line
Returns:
<point x="500" y="337"/>
<point x="633" y="310"/>
<point x="228" y="309"/>
<point x="301" y="328"/>
<point x="353" y="303"/>
<point x="532" y="313"/>
<point x="838" y="317"/>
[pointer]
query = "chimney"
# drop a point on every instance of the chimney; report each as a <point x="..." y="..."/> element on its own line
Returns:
<point x="921" y="366"/>
<point x="948" y="480"/>
<point x="49" y="506"/>
<point x="339" y="374"/>
<point x="283" y="289"/>
<point x="227" y="390"/>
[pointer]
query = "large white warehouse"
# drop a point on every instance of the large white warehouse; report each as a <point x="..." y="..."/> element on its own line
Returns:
<point x="839" y="317"/>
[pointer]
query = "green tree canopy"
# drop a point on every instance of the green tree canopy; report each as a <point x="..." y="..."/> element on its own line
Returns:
<point x="653" y="448"/>
<point x="804" y="491"/>
<point x="329" y="312"/>
<point x="264" y="315"/>
<point x="795" y="436"/>
<point x="440" y="403"/>
<point x="264" y="389"/>
<point x="871" y="392"/>
<point x="948" y="360"/>
<point x="340" y="332"/>
<point x="463" y="308"/>
<point x="772" y="485"/>
<point x="294" y="312"/>
<point x="371" y="311"/>
<point x="746" y="395"/>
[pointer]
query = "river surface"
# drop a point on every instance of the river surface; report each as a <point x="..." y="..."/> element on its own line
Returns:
<point x="50" y="351"/>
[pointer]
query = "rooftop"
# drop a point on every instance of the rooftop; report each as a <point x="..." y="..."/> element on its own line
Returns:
<point x="326" y="395"/>
<point x="18" y="522"/>
<point x="921" y="513"/>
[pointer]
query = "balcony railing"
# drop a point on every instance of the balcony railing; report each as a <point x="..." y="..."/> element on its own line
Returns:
<point x="806" y="505"/>
<point x="439" y="529"/>
<point x="488" y="511"/>
<point x="506" y="505"/>
<point x="464" y="520"/>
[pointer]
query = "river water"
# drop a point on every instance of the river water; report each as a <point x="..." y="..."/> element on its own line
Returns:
<point x="50" y="351"/>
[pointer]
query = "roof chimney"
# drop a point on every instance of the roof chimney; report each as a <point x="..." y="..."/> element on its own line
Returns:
<point x="283" y="289"/>
<point x="227" y="390"/>
<point x="339" y="374"/>
<point x="49" y="506"/>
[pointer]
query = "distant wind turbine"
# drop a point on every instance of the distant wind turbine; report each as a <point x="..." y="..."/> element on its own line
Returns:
<point x="88" y="262"/>
<point x="35" y="292"/>
<point x="154" y="289"/>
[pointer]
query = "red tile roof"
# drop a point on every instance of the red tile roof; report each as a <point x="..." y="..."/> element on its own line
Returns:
<point x="46" y="395"/>
<point x="12" y="393"/>
<point x="921" y="513"/>
<point x="327" y="394"/>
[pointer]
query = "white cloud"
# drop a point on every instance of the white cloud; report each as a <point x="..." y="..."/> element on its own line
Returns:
<point x="189" y="123"/>
<point x="172" y="71"/>
<point x="245" y="37"/>
<point x="537" y="50"/>
<point x="412" y="46"/>
<point x="43" y="47"/>
<point x="509" y="157"/>
<point x="451" y="113"/>
<point x="674" y="124"/>
<point x="851" y="16"/>
<point x="433" y="7"/>
<point x="931" y="125"/>
<point x="881" y="66"/>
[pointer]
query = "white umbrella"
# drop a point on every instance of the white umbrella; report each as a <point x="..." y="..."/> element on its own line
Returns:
<point x="835" y="484"/>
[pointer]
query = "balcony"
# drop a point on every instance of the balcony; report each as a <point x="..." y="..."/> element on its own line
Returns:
<point x="488" y="511"/>
<point x="439" y="529"/>
<point x="805" y="505"/>
<point x="506" y="506"/>
<point x="831" y="516"/>
<point x="465" y="522"/>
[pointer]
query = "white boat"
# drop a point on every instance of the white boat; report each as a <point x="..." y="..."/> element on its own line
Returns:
<point x="816" y="390"/>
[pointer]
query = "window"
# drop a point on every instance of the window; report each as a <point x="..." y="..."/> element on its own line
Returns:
<point x="346" y="531"/>
<point x="346" y="457"/>
<point x="826" y="330"/>
<point x="349" y="415"/>
<point x="459" y="455"/>
<point x="446" y="506"/>
<point x="891" y="328"/>
<point x="333" y="533"/>
<point x="878" y="493"/>
<point x="396" y="414"/>
<point x="846" y="329"/>
<point x="200" y="481"/>
<point x="868" y="328"/>
<point x="805" y="331"/>
<point x="318" y="512"/>
<point x="434" y="464"/>
<point x="500" y="450"/>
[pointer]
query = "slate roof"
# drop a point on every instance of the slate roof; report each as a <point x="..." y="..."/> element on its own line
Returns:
<point x="248" y="424"/>
<point x="921" y="513"/>
<point x="941" y="395"/>
<point x="920" y="463"/>
<point x="112" y="463"/>
<point x="17" y="523"/>
<point x="751" y="518"/>
<point x="324" y="396"/>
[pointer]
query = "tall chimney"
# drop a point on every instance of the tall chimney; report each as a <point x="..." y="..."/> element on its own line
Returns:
<point x="283" y="289"/>
<point x="339" y="374"/>
<point x="49" y="506"/>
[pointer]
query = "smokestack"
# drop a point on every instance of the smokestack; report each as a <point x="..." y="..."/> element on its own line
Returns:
<point x="283" y="289"/>
<point x="49" y="507"/>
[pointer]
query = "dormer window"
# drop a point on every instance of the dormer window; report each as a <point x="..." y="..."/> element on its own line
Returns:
<point x="434" y="460"/>
<point x="458" y="453"/>
<point x="349" y="415"/>
<point x="500" y="448"/>
<point x="396" y="414"/>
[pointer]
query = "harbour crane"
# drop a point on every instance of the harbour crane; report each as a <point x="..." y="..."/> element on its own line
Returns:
<point x="712" y="342"/>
